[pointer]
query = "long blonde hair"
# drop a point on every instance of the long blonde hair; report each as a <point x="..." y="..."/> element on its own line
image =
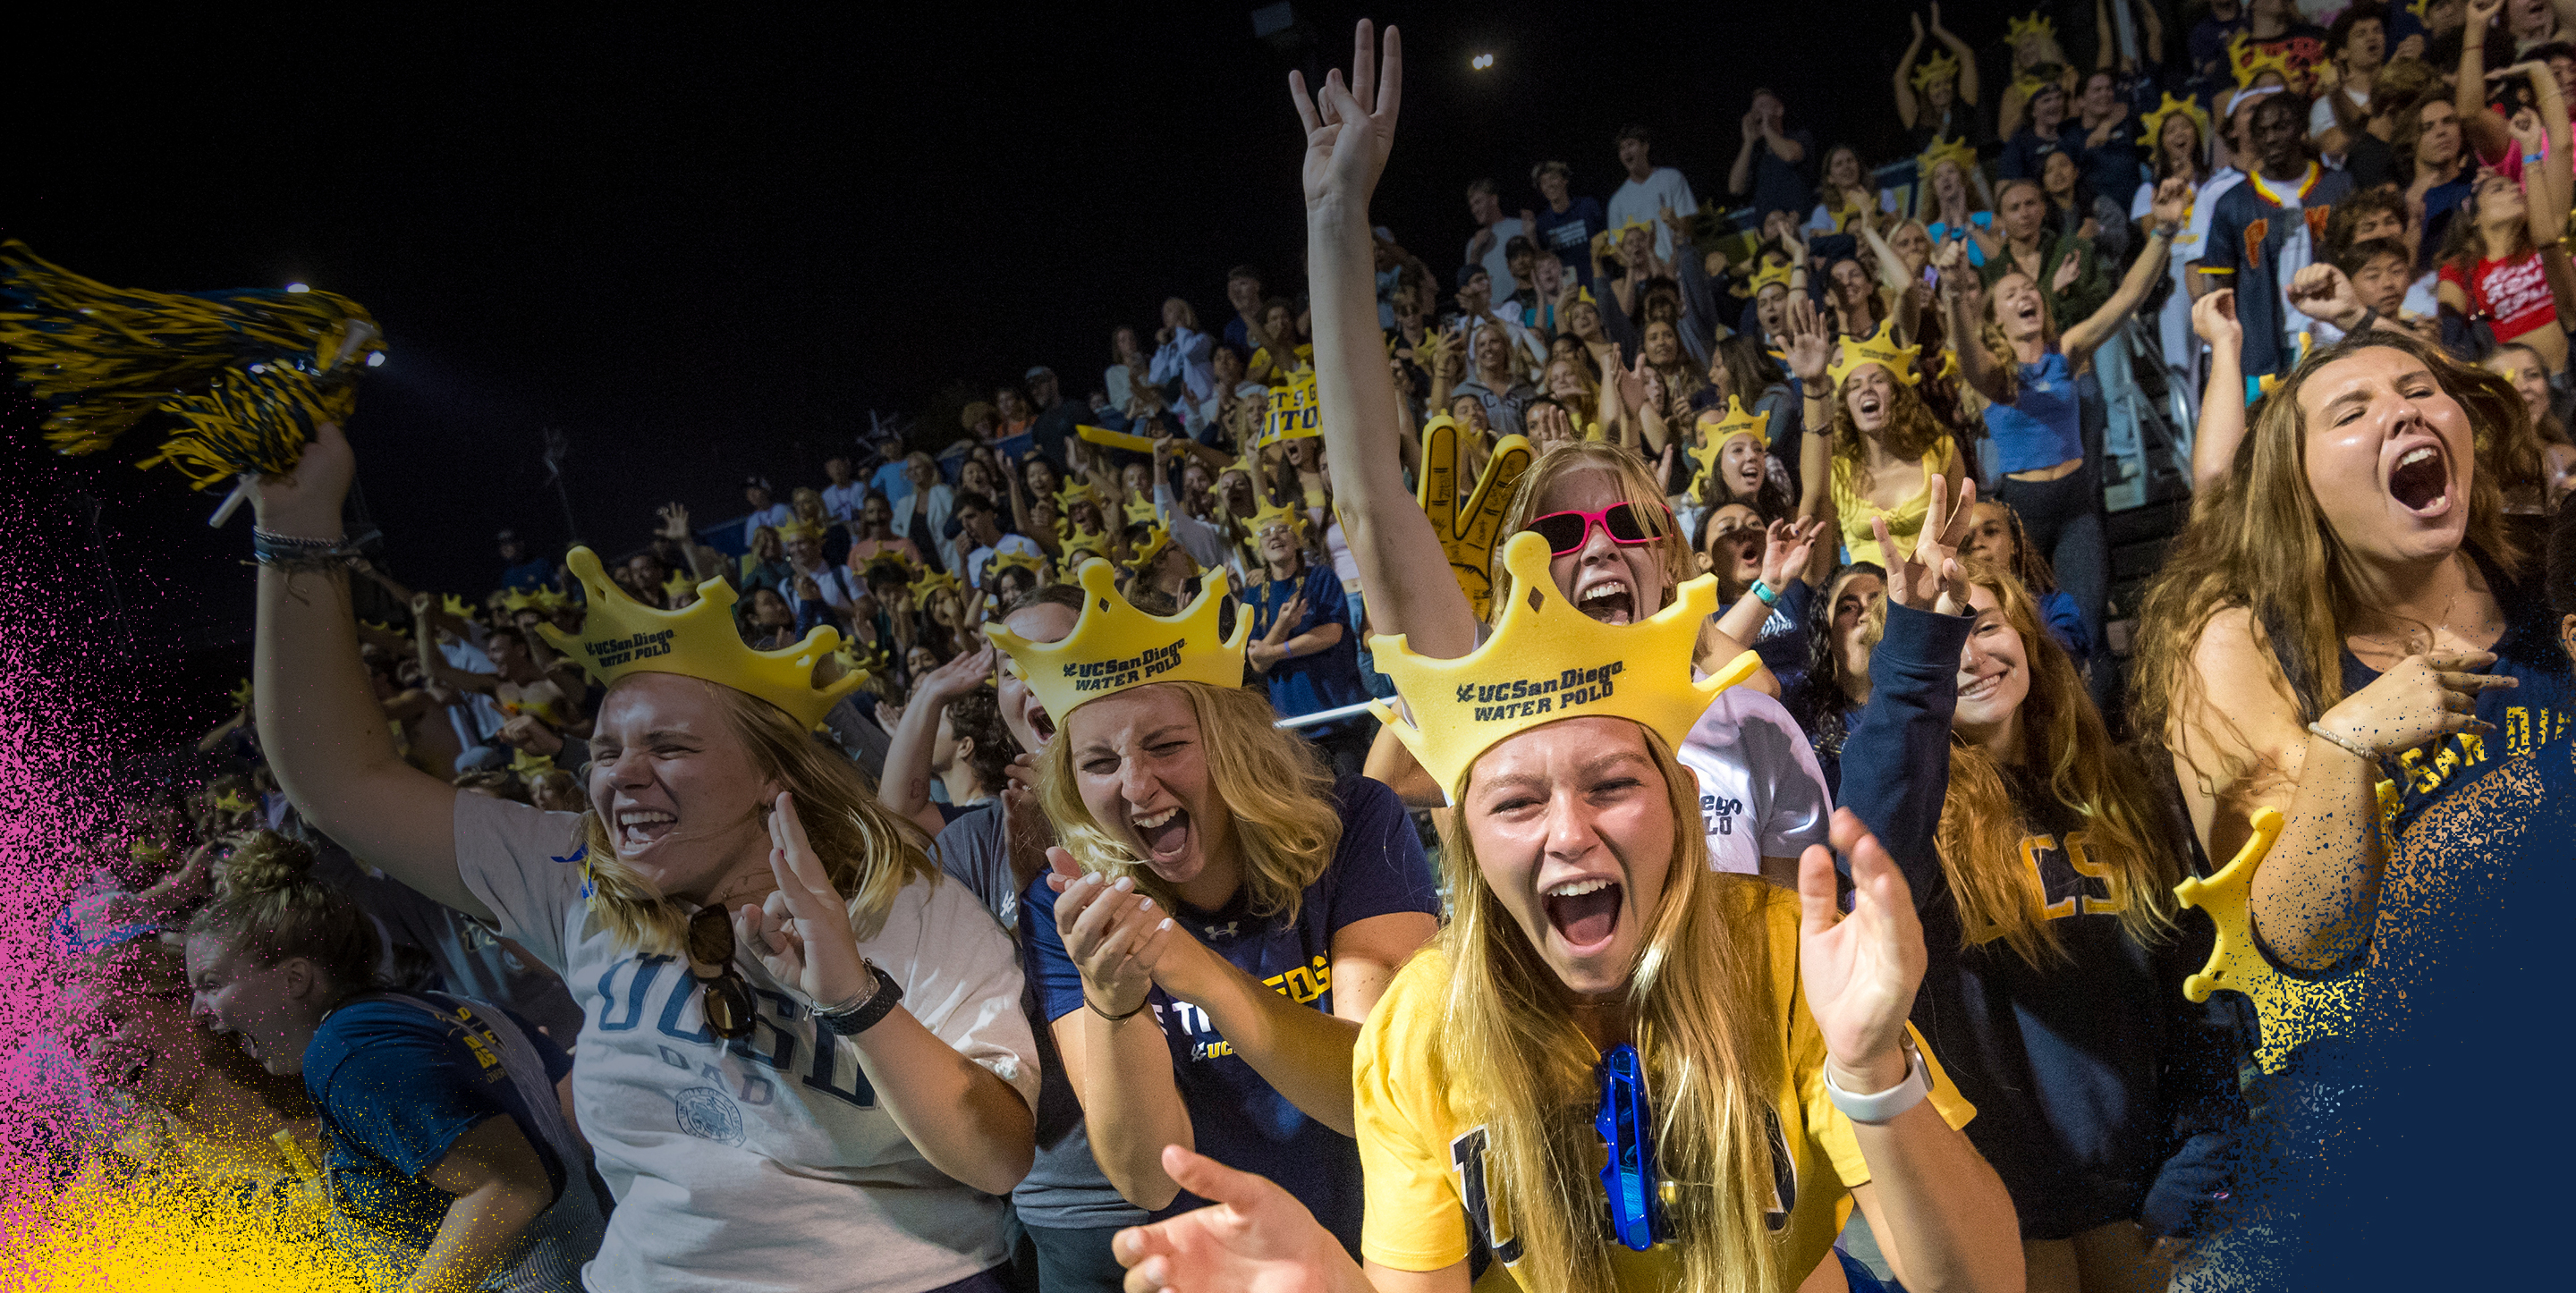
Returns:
<point x="869" y="854"/>
<point x="2069" y="758"/>
<point x="1705" y="1029"/>
<point x="1636" y="480"/>
<point x="1270" y="781"/>
<point x="2260" y="541"/>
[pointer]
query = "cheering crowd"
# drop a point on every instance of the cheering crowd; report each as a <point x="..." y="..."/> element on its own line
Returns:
<point x="1617" y="756"/>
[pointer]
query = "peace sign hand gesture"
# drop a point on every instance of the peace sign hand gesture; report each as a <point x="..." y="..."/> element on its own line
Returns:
<point x="1929" y="578"/>
<point x="801" y="936"/>
<point x="1350" y="127"/>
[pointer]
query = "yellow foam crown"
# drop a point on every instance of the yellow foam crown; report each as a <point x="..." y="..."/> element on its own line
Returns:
<point x="1547" y="661"/>
<point x="1736" y="422"/>
<point x="516" y="600"/>
<point x="2037" y="24"/>
<point x="933" y="582"/>
<point x="623" y="636"/>
<point x="2249" y="62"/>
<point x="1941" y="66"/>
<point x="1956" y="151"/>
<point x="1278" y="514"/>
<point x="1769" y="273"/>
<point x="2153" y="124"/>
<point x="1878" y="347"/>
<point x="1115" y="647"/>
<point x="1157" y="541"/>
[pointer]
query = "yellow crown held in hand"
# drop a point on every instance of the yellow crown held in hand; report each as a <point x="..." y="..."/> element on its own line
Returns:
<point x="1877" y="348"/>
<point x="1547" y="661"/>
<point x="1941" y="66"/>
<point x="1115" y="647"/>
<point x="2234" y="962"/>
<point x="623" y="636"/>
<point x="2153" y="124"/>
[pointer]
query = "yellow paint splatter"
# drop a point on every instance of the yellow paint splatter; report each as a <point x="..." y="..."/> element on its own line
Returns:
<point x="146" y="1238"/>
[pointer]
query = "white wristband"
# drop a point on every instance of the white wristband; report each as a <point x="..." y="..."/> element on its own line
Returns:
<point x="1885" y="1106"/>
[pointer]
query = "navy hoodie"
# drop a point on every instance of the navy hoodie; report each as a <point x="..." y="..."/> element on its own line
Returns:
<point x="2102" y="1094"/>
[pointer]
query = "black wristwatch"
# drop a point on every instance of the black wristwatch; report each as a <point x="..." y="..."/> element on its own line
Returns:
<point x="853" y="1018"/>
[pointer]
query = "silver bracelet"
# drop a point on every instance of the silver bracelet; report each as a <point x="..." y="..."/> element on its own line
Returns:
<point x="2363" y="752"/>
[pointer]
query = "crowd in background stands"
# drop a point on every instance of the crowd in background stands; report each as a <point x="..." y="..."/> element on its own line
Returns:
<point x="2074" y="291"/>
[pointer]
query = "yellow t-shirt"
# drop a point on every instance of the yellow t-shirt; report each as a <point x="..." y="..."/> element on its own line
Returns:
<point x="1418" y="1139"/>
<point x="1904" y="521"/>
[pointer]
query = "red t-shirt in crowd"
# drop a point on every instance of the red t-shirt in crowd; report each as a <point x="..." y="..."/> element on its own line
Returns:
<point x="2513" y="293"/>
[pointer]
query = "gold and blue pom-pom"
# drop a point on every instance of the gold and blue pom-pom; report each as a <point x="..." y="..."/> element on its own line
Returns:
<point x="247" y="374"/>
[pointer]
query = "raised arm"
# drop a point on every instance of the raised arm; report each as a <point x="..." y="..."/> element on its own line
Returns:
<point x="2170" y="202"/>
<point x="1967" y="58"/>
<point x="1905" y="107"/>
<point x="904" y="786"/>
<point x="318" y="719"/>
<point x="434" y="666"/>
<point x="1809" y="353"/>
<point x="2222" y="399"/>
<point x="2480" y="127"/>
<point x="1965" y="295"/>
<point x="1350" y="127"/>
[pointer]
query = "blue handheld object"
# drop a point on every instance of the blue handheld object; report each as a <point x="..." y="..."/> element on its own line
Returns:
<point x="1627" y="1126"/>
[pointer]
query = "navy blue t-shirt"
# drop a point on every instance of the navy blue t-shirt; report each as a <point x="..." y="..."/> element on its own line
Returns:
<point x="396" y="1088"/>
<point x="1236" y="1117"/>
<point x="2534" y="710"/>
<point x="1328" y="679"/>
<point x="1568" y="233"/>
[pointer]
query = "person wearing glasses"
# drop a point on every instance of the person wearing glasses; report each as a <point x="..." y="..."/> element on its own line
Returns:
<point x="802" y="1059"/>
<point x="450" y="1163"/>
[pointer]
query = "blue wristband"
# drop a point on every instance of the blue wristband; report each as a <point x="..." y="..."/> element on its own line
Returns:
<point x="1763" y="591"/>
<point x="2533" y="159"/>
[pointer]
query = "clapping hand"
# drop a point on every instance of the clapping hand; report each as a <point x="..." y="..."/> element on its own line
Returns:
<point x="1114" y="935"/>
<point x="675" y="521"/>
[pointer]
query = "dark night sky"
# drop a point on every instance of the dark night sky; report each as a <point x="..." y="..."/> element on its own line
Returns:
<point x="709" y="246"/>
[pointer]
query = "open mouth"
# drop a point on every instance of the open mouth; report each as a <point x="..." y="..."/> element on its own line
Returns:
<point x="1585" y="913"/>
<point x="2421" y="482"/>
<point x="1868" y="406"/>
<point x="638" y="827"/>
<point x="1609" y="601"/>
<point x="1041" y="723"/>
<point x="1164" y="835"/>
<point x="2028" y="313"/>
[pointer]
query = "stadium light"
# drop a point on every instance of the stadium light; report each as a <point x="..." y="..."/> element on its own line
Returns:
<point x="1481" y="62"/>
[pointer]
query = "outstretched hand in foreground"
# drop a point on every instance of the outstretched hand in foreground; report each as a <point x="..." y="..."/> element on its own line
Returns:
<point x="1254" y="1237"/>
